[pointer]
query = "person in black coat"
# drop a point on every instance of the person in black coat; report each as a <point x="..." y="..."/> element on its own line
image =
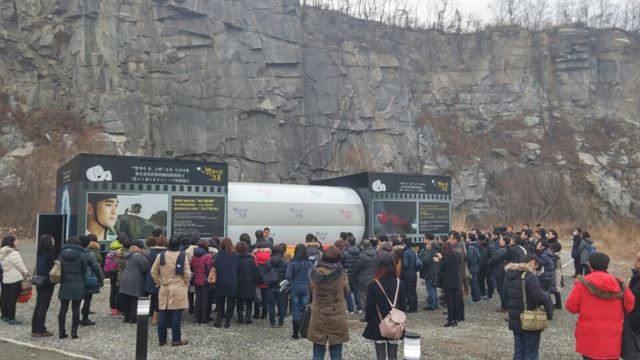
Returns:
<point x="349" y="261"/>
<point x="526" y="343"/>
<point x="247" y="282"/>
<point x="631" y="329"/>
<point x="497" y="262"/>
<point x="575" y="253"/>
<point x="226" y="264"/>
<point x="365" y="267"/>
<point x="429" y="271"/>
<point x="450" y="280"/>
<point x="274" y="296"/>
<point x="44" y="263"/>
<point x="380" y="293"/>
<point x="409" y="274"/>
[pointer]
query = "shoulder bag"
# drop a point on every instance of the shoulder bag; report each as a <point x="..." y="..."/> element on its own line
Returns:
<point x="531" y="320"/>
<point x="212" y="277"/>
<point x="392" y="326"/>
<point x="55" y="275"/>
<point x="305" y="318"/>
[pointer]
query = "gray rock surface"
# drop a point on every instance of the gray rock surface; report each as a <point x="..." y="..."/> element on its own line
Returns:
<point x="288" y="94"/>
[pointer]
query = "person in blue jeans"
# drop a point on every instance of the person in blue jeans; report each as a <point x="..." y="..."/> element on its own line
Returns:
<point x="473" y="263"/>
<point x="349" y="261"/>
<point x="429" y="270"/>
<point x="298" y="274"/>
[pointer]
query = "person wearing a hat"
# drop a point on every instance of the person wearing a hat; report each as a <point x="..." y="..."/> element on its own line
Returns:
<point x="526" y="343"/>
<point x="102" y="214"/>
<point x="601" y="301"/>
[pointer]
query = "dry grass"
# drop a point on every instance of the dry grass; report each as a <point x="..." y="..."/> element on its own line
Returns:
<point x="619" y="238"/>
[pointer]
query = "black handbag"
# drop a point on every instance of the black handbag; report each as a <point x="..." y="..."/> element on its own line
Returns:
<point x="38" y="280"/>
<point x="305" y="318"/>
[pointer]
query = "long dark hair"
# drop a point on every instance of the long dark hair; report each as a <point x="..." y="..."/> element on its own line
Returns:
<point x="385" y="265"/>
<point x="447" y="249"/>
<point x="227" y="246"/>
<point x="45" y="244"/>
<point x="300" y="252"/>
<point x="9" y="240"/>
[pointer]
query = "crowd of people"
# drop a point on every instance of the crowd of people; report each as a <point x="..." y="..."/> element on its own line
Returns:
<point x="218" y="281"/>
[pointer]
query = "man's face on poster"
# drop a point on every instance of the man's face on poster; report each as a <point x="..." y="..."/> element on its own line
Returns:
<point x="107" y="212"/>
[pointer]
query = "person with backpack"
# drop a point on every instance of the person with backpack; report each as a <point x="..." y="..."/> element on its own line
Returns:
<point x="94" y="262"/>
<point x="274" y="295"/>
<point x="262" y="257"/>
<point x="201" y="264"/>
<point x="133" y="281"/>
<point x="328" y="323"/>
<point x="226" y="264"/>
<point x="601" y="302"/>
<point x="247" y="281"/>
<point x="473" y="264"/>
<point x="74" y="262"/>
<point x="14" y="271"/>
<point x="586" y="249"/>
<point x="171" y="271"/>
<point x="44" y="263"/>
<point x="297" y="273"/>
<point x="156" y="245"/>
<point x="111" y="271"/>
<point x="384" y="293"/>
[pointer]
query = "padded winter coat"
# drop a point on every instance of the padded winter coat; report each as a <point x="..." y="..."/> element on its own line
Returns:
<point x="13" y="268"/>
<point x="73" y="262"/>
<point x="515" y="303"/>
<point x="600" y="301"/>
<point x="247" y="276"/>
<point x="350" y="257"/>
<point x="134" y="275"/>
<point x="329" y="288"/>
<point x="201" y="263"/>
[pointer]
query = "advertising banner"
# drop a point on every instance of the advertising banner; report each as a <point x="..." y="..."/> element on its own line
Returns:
<point x="409" y="184"/>
<point x="392" y="217"/>
<point x="197" y="215"/>
<point x="433" y="217"/>
<point x="136" y="215"/>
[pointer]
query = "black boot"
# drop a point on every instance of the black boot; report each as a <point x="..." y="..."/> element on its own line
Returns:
<point x="228" y="317"/>
<point x="218" y="322"/>
<point x="295" y="330"/>
<point x="240" y="313"/>
<point x="247" y="318"/>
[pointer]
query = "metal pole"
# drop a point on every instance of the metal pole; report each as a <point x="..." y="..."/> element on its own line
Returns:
<point x="142" y="330"/>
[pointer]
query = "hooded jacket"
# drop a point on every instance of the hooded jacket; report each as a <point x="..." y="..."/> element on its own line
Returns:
<point x="279" y="265"/>
<point x="201" y="263"/>
<point x="600" y="300"/>
<point x="349" y="259"/>
<point x="473" y="257"/>
<point x="13" y="268"/>
<point x="329" y="288"/>
<point x="513" y="285"/>
<point x="73" y="262"/>
<point x="94" y="264"/>
<point x="409" y="262"/>
<point x="366" y="267"/>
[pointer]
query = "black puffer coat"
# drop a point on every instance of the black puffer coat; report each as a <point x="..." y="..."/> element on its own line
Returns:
<point x="365" y="267"/>
<point x="449" y="271"/>
<point x="513" y="284"/>
<point x="73" y="262"/>
<point x="279" y="265"/>
<point x="247" y="276"/>
<point x="350" y="257"/>
<point x="515" y="253"/>
<point x="631" y="330"/>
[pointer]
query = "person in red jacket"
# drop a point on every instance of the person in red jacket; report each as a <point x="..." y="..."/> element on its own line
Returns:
<point x="201" y="263"/>
<point x="263" y="255"/>
<point x="600" y="300"/>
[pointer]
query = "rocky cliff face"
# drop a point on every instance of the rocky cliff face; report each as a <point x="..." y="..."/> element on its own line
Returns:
<point x="530" y="125"/>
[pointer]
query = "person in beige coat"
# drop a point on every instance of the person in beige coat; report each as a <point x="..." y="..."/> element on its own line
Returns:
<point x="328" y="323"/>
<point x="14" y="272"/>
<point x="171" y="272"/>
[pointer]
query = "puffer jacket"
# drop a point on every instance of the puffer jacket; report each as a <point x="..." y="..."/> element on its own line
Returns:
<point x="201" y="263"/>
<point x="329" y="288"/>
<point x="600" y="300"/>
<point x="548" y="275"/>
<point x="513" y="285"/>
<point x="314" y="252"/>
<point x="247" y="276"/>
<point x="575" y="253"/>
<point x="473" y="257"/>
<point x="73" y="262"/>
<point x="349" y="259"/>
<point x="134" y="275"/>
<point x="94" y="263"/>
<point x="149" y="285"/>
<point x="366" y="267"/>
<point x="583" y="250"/>
<point x="409" y="265"/>
<point x="13" y="268"/>
<point x="631" y="330"/>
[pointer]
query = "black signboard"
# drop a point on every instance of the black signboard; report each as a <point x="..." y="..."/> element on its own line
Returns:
<point x="197" y="215"/>
<point x="54" y="225"/>
<point x="130" y="169"/>
<point x="410" y="184"/>
<point x="433" y="217"/>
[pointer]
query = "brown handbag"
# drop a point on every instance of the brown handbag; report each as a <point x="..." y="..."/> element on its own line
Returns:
<point x="213" y="275"/>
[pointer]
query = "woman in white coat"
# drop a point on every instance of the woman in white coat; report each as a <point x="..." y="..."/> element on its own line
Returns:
<point x="13" y="272"/>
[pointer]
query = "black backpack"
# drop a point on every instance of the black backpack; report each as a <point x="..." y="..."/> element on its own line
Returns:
<point x="268" y="275"/>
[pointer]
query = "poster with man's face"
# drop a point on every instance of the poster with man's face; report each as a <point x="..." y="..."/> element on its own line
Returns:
<point x="135" y="215"/>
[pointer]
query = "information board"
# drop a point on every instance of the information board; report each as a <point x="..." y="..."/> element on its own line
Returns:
<point x="197" y="215"/>
<point x="433" y="217"/>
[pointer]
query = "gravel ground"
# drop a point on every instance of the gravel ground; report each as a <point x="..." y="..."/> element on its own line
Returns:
<point x="484" y="335"/>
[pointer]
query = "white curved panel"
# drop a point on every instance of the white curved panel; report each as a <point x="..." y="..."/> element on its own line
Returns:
<point x="292" y="211"/>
